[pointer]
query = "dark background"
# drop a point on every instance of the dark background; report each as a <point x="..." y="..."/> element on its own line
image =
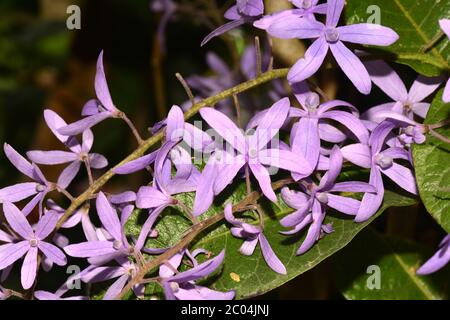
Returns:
<point x="44" y="65"/>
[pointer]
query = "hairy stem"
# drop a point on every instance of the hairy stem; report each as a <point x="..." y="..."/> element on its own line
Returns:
<point x="147" y="144"/>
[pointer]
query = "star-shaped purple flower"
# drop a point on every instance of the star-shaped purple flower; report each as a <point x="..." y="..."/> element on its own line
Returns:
<point x="78" y="153"/>
<point x="380" y="160"/>
<point x="311" y="204"/>
<point x="253" y="235"/>
<point x="95" y="110"/>
<point x="329" y="36"/>
<point x="182" y="286"/>
<point x="245" y="11"/>
<point x="30" y="242"/>
<point x="407" y="103"/>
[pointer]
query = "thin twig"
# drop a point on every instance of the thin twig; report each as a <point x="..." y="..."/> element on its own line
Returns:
<point x="87" y="164"/>
<point x="132" y="127"/>
<point x="439" y="136"/>
<point x="258" y="57"/>
<point x="237" y="106"/>
<point x="186" y="88"/>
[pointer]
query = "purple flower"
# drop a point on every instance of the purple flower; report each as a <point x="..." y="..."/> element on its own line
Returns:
<point x="110" y="244"/>
<point x="46" y="295"/>
<point x="253" y="235"/>
<point x="245" y="11"/>
<point x="445" y="26"/>
<point x="182" y="286"/>
<point x="439" y="260"/>
<point x="176" y="131"/>
<point x="122" y="273"/>
<point x="329" y="36"/>
<point x="314" y="125"/>
<point x="78" y="153"/>
<point x="30" y="242"/>
<point x="305" y="9"/>
<point x="248" y="150"/>
<point x="407" y="103"/>
<point x="380" y="160"/>
<point x="311" y="204"/>
<point x="95" y="111"/>
<point x="18" y="192"/>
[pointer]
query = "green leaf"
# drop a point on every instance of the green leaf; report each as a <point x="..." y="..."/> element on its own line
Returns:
<point x="395" y="261"/>
<point x="431" y="162"/>
<point x="250" y="276"/>
<point x="417" y="24"/>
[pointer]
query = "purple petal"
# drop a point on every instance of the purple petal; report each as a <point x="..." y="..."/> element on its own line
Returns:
<point x="446" y="96"/>
<point x="46" y="225"/>
<point x="314" y="230"/>
<point x="351" y="122"/>
<point x="445" y="26"/>
<point x="11" y="252"/>
<point x="101" y="86"/>
<point x="147" y="227"/>
<point x="307" y="66"/>
<point x="80" y="126"/>
<point x="29" y="268"/>
<point x="248" y="246"/>
<point x="295" y="199"/>
<point x="269" y="255"/>
<point x="204" y="195"/>
<point x="18" y="192"/>
<point x="250" y="8"/>
<point x="352" y="67"/>
<point x="343" y="204"/>
<point x="108" y="216"/>
<point x="423" y="87"/>
<point x="68" y="174"/>
<point x="97" y="161"/>
<point x="53" y="253"/>
<point x="17" y="221"/>
<point x="286" y="160"/>
<point x="227" y="170"/>
<point x="402" y="176"/>
<point x="330" y="133"/>
<point x="269" y="20"/>
<point x="371" y="202"/>
<point x="262" y="175"/>
<point x="88" y="141"/>
<point x="51" y="157"/>
<point x="90" y="108"/>
<point x="373" y="114"/>
<point x="436" y="262"/>
<point x="222" y="29"/>
<point x="54" y="122"/>
<point x="116" y="287"/>
<point x="387" y="80"/>
<point x="334" y="10"/>
<point x="150" y="197"/>
<point x="226" y="128"/>
<point x="90" y="249"/>
<point x="306" y="140"/>
<point x="18" y="161"/>
<point x="175" y="124"/>
<point x="353" y="186"/>
<point x="368" y="33"/>
<point x="292" y="26"/>
<point x="272" y="121"/>
<point x="358" y="154"/>
<point x="138" y="164"/>
<point x="232" y="13"/>
<point x="202" y="270"/>
<point x="217" y="64"/>
<point x="332" y="174"/>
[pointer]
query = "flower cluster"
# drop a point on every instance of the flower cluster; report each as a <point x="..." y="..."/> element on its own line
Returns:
<point x="323" y="136"/>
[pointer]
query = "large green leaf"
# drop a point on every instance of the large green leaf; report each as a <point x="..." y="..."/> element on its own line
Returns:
<point x="431" y="162"/>
<point x="395" y="262"/>
<point x="417" y="23"/>
<point x="250" y="276"/>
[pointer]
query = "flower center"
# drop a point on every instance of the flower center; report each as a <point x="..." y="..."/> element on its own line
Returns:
<point x="332" y="35"/>
<point x="117" y="244"/>
<point x="383" y="161"/>
<point x="409" y="131"/>
<point x="252" y="153"/>
<point x="175" y="287"/>
<point x="34" y="242"/>
<point x="322" y="197"/>
<point x="40" y="188"/>
<point x="312" y="102"/>
<point x="307" y="4"/>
